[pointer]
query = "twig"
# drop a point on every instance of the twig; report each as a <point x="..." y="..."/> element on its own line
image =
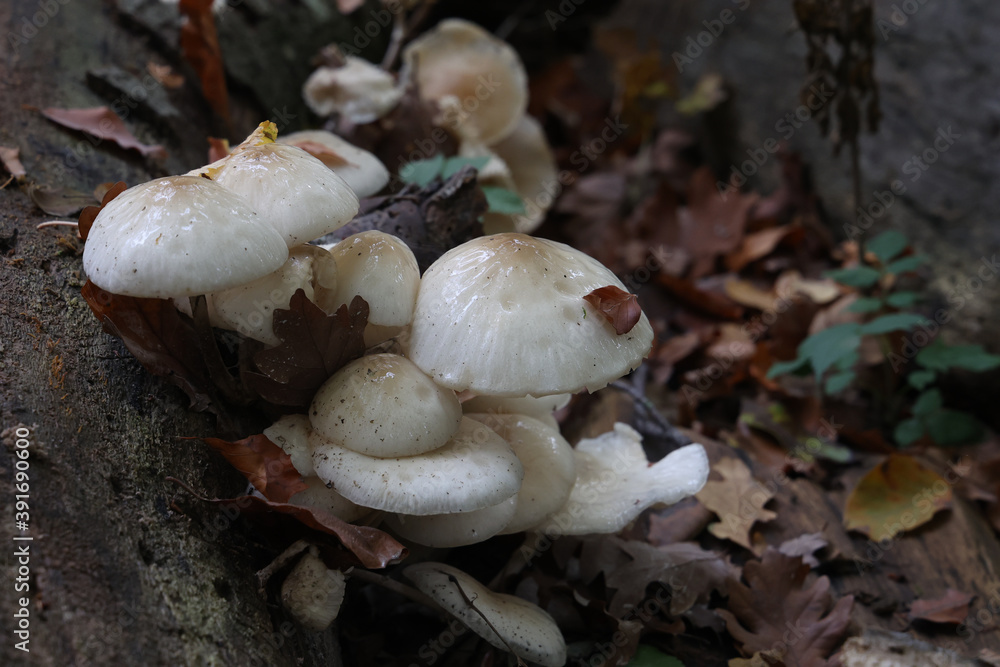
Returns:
<point x="281" y="561"/>
<point x="6" y="183"/>
<point x="472" y="606"/>
<point x="56" y="223"/>
<point x="665" y="429"/>
<point x="401" y="31"/>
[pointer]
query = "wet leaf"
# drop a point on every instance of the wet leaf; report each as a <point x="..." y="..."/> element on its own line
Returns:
<point x="155" y="333"/>
<point x="897" y="495"/>
<point x="617" y="306"/>
<point x="264" y="464"/>
<point x="371" y="547"/>
<point x="776" y="613"/>
<point x="738" y="500"/>
<point x="103" y="123"/>
<point x="313" y="347"/>
<point x="952" y="608"/>
<point x="200" y="47"/>
<point x="89" y="214"/>
<point x="11" y="158"/>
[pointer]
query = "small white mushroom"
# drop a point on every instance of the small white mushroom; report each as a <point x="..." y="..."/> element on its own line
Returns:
<point x="615" y="483"/>
<point x="361" y="170"/>
<point x="360" y="91"/>
<point x="505" y="621"/>
<point x="312" y="593"/>
<point x="534" y="173"/>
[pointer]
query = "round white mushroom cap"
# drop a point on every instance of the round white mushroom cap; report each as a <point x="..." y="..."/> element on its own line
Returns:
<point x="288" y="187"/>
<point x="453" y="530"/>
<point x="477" y="77"/>
<point x="382" y="270"/>
<point x="320" y="496"/>
<point x="549" y="466"/>
<point x="522" y="627"/>
<point x="533" y="169"/>
<point x="383" y="405"/>
<point x="359" y="91"/>
<point x="476" y="469"/>
<point x="504" y="315"/>
<point x="312" y="593"/>
<point x="361" y="170"/>
<point x="615" y="483"/>
<point x="179" y="236"/>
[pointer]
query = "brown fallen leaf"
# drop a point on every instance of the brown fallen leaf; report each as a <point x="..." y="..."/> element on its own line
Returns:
<point x="264" y="464"/>
<point x="759" y="244"/>
<point x="11" y="158"/>
<point x="897" y="495"/>
<point x="155" y="333"/>
<point x="678" y="523"/>
<point x="805" y="546"/>
<point x="952" y="608"/>
<point x="103" y="123"/>
<point x="713" y="223"/>
<point x="738" y="500"/>
<point x="705" y="301"/>
<point x="62" y="202"/>
<point x="313" y="347"/>
<point x="324" y="154"/>
<point x="200" y="47"/>
<point x="165" y="75"/>
<point x="617" y="306"/>
<point x="89" y="214"/>
<point x="218" y="149"/>
<point x="371" y="547"/>
<point x="747" y="294"/>
<point x="776" y="614"/>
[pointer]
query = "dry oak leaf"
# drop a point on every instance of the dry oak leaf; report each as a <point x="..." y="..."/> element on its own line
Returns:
<point x="617" y="306"/>
<point x="777" y="615"/>
<point x="264" y="464"/>
<point x="103" y="123"/>
<point x="62" y="202"/>
<point x="897" y="495"/>
<point x="313" y="347"/>
<point x="951" y="608"/>
<point x="738" y="500"/>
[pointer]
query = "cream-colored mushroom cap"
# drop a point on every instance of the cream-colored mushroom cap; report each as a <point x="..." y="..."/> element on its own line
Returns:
<point x="312" y="593"/>
<point x="481" y="76"/>
<point x="476" y="469"/>
<point x="523" y="627"/>
<point x="381" y="269"/>
<point x="320" y="496"/>
<point x="383" y="405"/>
<point x="299" y="195"/>
<point x="361" y="170"/>
<point x="549" y="466"/>
<point x="504" y="315"/>
<point x="541" y="407"/>
<point x="533" y="169"/>
<point x="359" y="91"/>
<point x="291" y="433"/>
<point x="179" y="236"/>
<point x="615" y="483"/>
<point x="458" y="529"/>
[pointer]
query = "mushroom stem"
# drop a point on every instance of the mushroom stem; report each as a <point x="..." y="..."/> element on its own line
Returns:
<point x="281" y="561"/>
<point x="396" y="587"/>
<point x="217" y="370"/>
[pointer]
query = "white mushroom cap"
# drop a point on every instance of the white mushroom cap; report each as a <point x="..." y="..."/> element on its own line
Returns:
<point x="320" y="496"/>
<point x="382" y="270"/>
<point x="289" y="188"/>
<point x="476" y="469"/>
<point x="533" y="169"/>
<point x="615" y="483"/>
<point x="179" y="236"/>
<point x="291" y="433"/>
<point x="361" y="170"/>
<point x="504" y="315"/>
<point x="312" y="593"/>
<point x="541" y="407"/>
<point x="526" y="628"/>
<point x="549" y="466"/>
<point x="383" y="405"/>
<point x="249" y="309"/>
<point x="453" y="530"/>
<point x="360" y="91"/>
<point x="481" y="75"/>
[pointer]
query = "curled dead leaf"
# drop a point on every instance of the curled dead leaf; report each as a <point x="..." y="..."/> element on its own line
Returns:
<point x="617" y="306"/>
<point x="103" y="123"/>
<point x="952" y="608"/>
<point x="264" y="464"/>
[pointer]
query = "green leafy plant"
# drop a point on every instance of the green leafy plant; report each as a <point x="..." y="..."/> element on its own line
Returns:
<point x="422" y="172"/>
<point x="832" y="354"/>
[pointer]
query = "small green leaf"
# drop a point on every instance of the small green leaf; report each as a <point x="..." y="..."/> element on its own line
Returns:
<point x="911" y="263"/>
<point x="827" y="347"/>
<point x="422" y="172"/>
<point x="858" y="276"/>
<point x="908" y="431"/>
<point x="502" y="200"/>
<point x="887" y="245"/>
<point x="647" y="656"/>
<point x="903" y="299"/>
<point x="940" y="357"/>
<point x="928" y="402"/>
<point x="784" y="367"/>
<point x="838" y="382"/>
<point x="893" y="322"/>
<point x="454" y="164"/>
<point x="920" y="379"/>
<point x="952" y="427"/>
<point x="846" y="362"/>
<point x="865" y="305"/>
